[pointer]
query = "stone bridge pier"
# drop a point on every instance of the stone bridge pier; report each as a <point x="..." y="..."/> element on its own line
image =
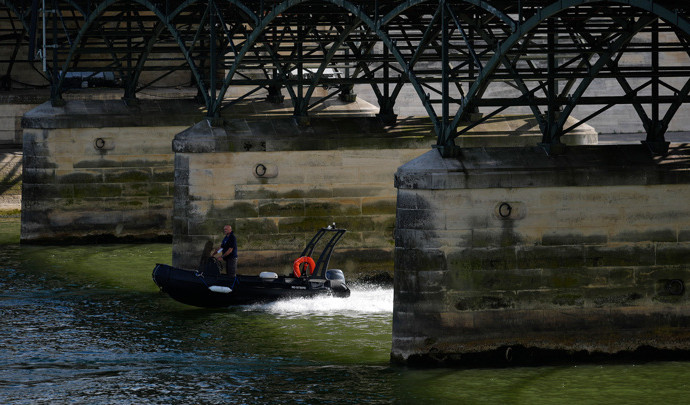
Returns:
<point x="100" y="170"/>
<point x="508" y="255"/>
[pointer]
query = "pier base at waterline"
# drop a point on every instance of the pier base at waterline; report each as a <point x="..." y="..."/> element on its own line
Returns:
<point x="508" y="255"/>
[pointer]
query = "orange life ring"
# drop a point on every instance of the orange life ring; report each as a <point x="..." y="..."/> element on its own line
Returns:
<point x="309" y="266"/>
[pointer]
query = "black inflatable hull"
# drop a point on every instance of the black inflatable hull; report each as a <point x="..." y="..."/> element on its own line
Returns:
<point x="193" y="288"/>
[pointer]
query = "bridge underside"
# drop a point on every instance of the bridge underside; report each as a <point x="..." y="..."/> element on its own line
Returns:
<point x="495" y="249"/>
<point x="466" y="60"/>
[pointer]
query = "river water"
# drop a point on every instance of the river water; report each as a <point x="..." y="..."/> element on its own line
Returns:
<point x="86" y="324"/>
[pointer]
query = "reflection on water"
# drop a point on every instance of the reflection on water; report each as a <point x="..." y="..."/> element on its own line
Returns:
<point x="87" y="325"/>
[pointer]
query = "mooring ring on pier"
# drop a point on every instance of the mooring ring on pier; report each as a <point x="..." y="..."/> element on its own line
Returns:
<point x="504" y="210"/>
<point x="509" y="354"/>
<point x="260" y="170"/>
<point x="99" y="143"/>
<point x="675" y="287"/>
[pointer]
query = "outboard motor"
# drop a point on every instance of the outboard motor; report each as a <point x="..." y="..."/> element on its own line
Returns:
<point x="335" y="274"/>
<point x="336" y="280"/>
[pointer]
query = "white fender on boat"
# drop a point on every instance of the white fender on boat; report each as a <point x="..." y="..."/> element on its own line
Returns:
<point x="220" y="289"/>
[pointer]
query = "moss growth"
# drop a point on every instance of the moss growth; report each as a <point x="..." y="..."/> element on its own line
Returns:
<point x="100" y="163"/>
<point x="330" y="207"/>
<point x="482" y="303"/>
<point x="301" y="224"/>
<point x="282" y="209"/>
<point x="239" y="209"/>
<point x="130" y="203"/>
<point x="127" y="176"/>
<point x="488" y="258"/>
<point x="80" y="178"/>
<point x="10" y="213"/>
<point x="145" y="189"/>
<point x="97" y="190"/>
<point x="256" y="226"/>
<point x="617" y="300"/>
<point x="379" y="207"/>
<point x="161" y="175"/>
<point x="573" y="300"/>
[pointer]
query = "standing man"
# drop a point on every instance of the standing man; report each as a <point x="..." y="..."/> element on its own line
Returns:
<point x="228" y="251"/>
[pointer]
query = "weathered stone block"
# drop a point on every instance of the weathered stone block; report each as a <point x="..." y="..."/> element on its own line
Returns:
<point x="281" y="208"/>
<point x="301" y="224"/>
<point x="127" y="175"/>
<point x="39" y="192"/>
<point x="487" y="280"/>
<point x="418" y="219"/>
<point x="163" y="174"/>
<point x="358" y="190"/>
<point x="550" y="257"/>
<point x="97" y="164"/>
<point x="97" y="190"/>
<point x="570" y="236"/>
<point x="493" y="237"/>
<point x="332" y="207"/>
<point x="378" y="223"/>
<point x="421" y="260"/>
<point x="144" y="189"/>
<point x="497" y="301"/>
<point x="79" y="177"/>
<point x="160" y="202"/>
<point x="672" y="253"/>
<point x="130" y="203"/>
<point x="620" y="255"/>
<point x="482" y="258"/>
<point x="238" y="209"/>
<point x="256" y="226"/>
<point x="39" y="162"/>
<point x="206" y="226"/>
<point x="645" y="233"/>
<point x="378" y="205"/>
<point x="39" y="176"/>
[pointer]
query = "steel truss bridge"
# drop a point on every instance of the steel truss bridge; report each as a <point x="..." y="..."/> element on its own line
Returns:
<point x="467" y="60"/>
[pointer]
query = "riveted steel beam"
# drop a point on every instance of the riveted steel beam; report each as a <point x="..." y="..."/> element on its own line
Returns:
<point x="538" y="19"/>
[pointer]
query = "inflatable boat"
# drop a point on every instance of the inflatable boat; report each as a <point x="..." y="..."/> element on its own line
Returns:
<point x="207" y="287"/>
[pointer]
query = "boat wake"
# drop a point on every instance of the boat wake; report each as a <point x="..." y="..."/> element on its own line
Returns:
<point x="362" y="300"/>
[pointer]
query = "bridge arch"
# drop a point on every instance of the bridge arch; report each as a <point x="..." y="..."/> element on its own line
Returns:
<point x="284" y="7"/>
<point x="377" y="24"/>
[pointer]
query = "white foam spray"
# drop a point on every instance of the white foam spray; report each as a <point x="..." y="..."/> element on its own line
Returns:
<point x="362" y="300"/>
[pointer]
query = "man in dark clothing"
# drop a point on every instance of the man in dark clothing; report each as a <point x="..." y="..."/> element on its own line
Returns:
<point x="228" y="251"/>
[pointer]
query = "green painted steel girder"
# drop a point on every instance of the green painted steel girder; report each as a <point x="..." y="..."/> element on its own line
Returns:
<point x="485" y="41"/>
<point x="446" y="139"/>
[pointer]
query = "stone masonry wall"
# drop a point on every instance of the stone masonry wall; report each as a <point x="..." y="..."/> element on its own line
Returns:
<point x="277" y="184"/>
<point x="504" y="253"/>
<point x="96" y="171"/>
